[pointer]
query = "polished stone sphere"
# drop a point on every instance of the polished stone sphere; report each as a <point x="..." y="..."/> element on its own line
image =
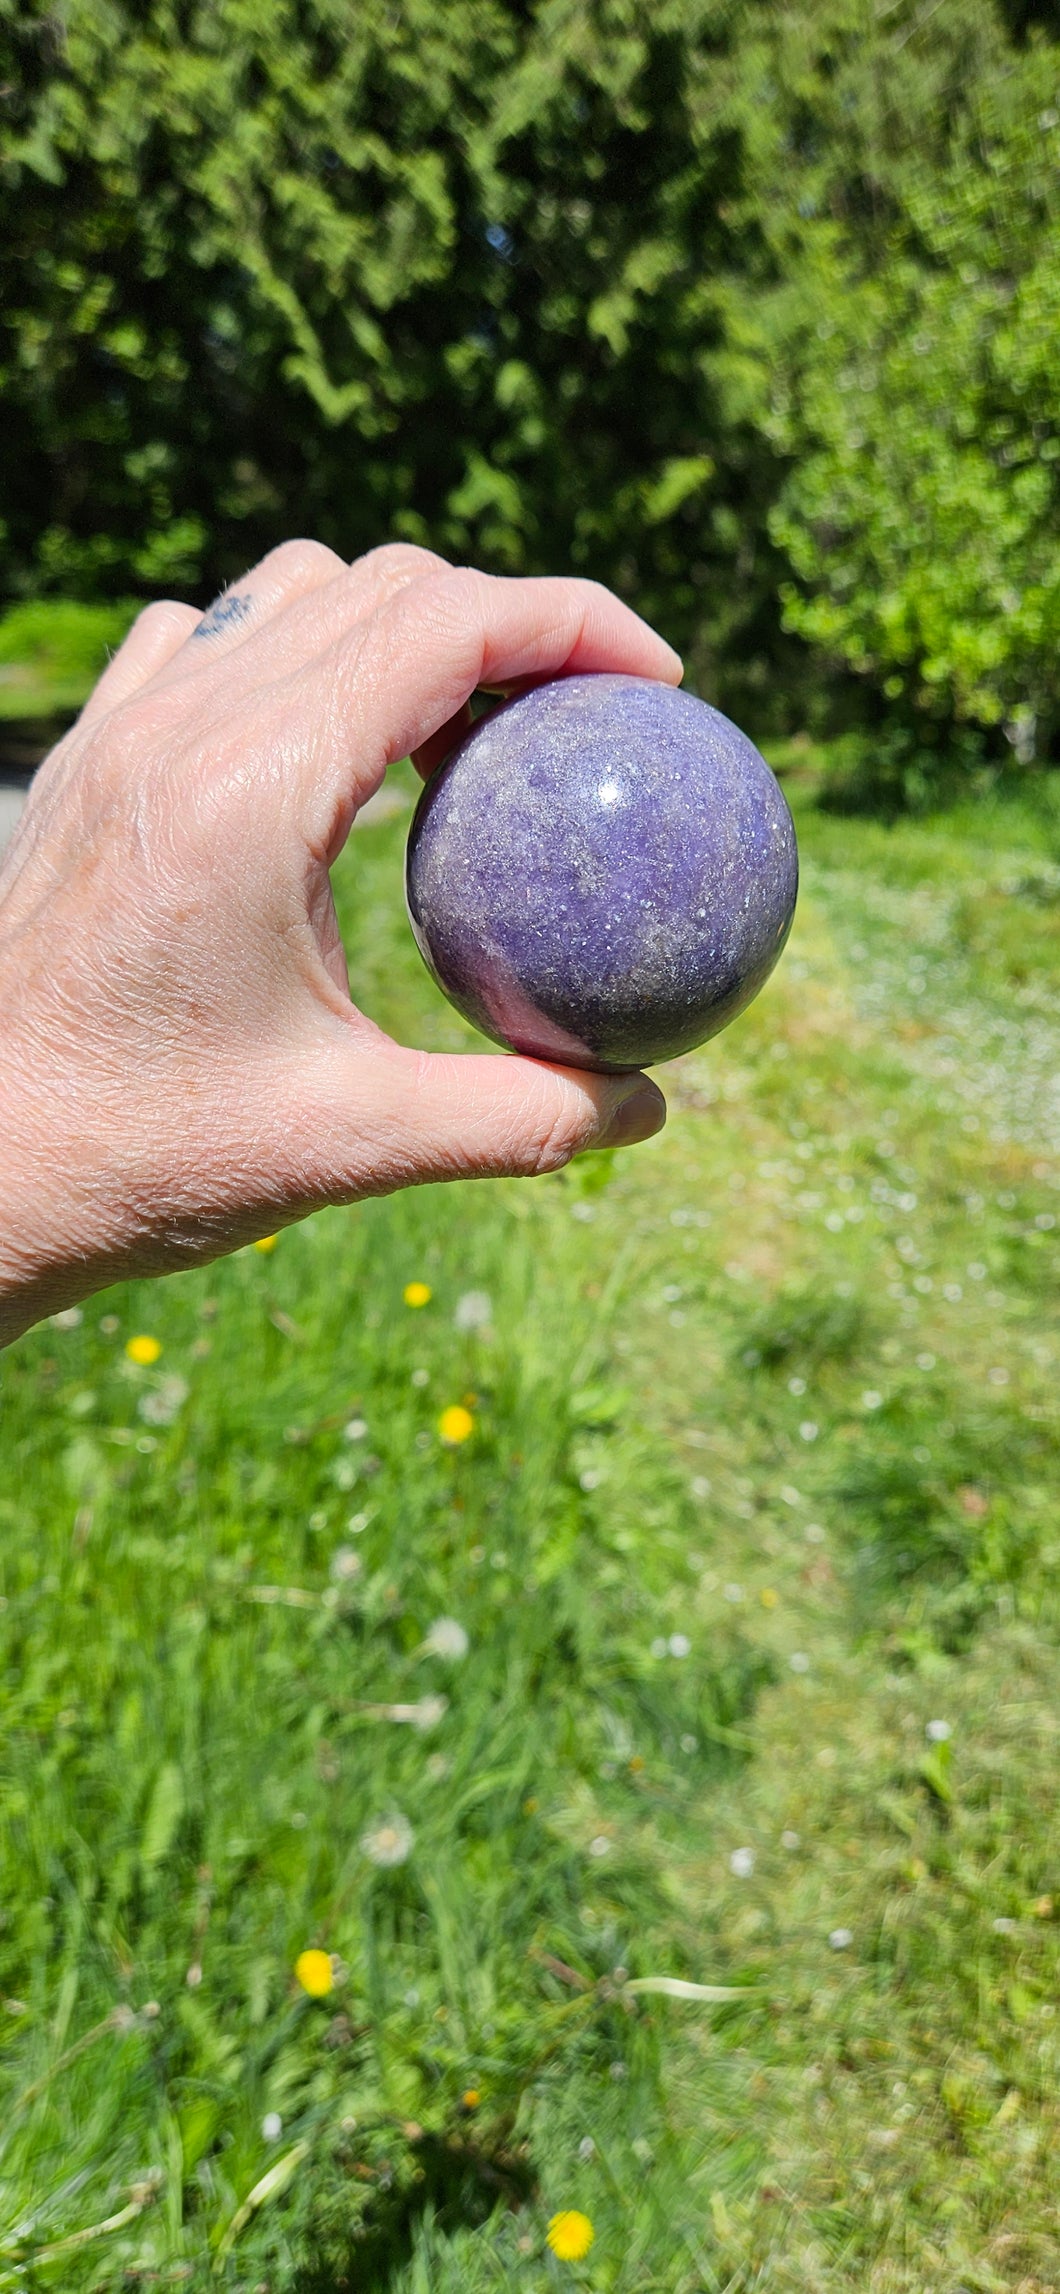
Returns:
<point x="603" y="873"/>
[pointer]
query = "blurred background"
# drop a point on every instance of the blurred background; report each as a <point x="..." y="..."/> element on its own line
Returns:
<point x="749" y="310"/>
<point x="529" y="1713"/>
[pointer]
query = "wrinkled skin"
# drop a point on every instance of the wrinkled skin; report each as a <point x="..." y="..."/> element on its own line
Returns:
<point x="181" y="1066"/>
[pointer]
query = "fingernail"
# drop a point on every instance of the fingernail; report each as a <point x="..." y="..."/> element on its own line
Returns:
<point x="639" y="1116"/>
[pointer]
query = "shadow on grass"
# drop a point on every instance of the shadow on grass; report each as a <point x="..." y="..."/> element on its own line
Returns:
<point x="458" y="2185"/>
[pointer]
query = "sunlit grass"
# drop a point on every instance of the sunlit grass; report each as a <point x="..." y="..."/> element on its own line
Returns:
<point x="719" y="1647"/>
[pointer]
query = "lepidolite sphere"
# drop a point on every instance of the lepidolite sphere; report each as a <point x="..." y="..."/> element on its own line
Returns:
<point x="603" y="873"/>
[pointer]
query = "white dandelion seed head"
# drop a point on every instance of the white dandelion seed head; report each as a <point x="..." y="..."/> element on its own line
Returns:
<point x="1004" y="1927"/>
<point x="799" y="1661"/>
<point x="742" y="1863"/>
<point x="870" y="1400"/>
<point x="601" y="1846"/>
<point x="356" y="1430"/>
<point x="587" y="2148"/>
<point x="938" y="1731"/>
<point x="841" y="1938"/>
<point x="659" y="1646"/>
<point x="345" y="1564"/>
<point x="389" y="1842"/>
<point x="790" y="1841"/>
<point x="446" y="1638"/>
<point x="428" y="1712"/>
<point x="272" y="2126"/>
<point x="474" y="1311"/>
<point x="164" y="1404"/>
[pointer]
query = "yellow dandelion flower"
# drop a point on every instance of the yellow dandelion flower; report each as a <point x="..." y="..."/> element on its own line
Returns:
<point x="570" y="2235"/>
<point x="314" y="1972"/>
<point x="266" y="1243"/>
<point x="471" y="2098"/>
<point x="143" y="1350"/>
<point x="769" y="1597"/>
<point x="455" y="1424"/>
<point x="417" y="1294"/>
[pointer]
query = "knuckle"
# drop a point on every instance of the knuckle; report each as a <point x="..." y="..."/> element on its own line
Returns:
<point x="164" y="618"/>
<point x="468" y="582"/>
<point x="394" y="565"/>
<point x="560" y="1130"/>
<point x="459" y="594"/>
<point x="402" y="557"/>
<point x="436" y="601"/>
<point x="302" y="560"/>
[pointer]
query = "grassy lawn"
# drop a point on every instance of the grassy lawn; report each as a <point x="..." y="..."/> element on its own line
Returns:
<point x="721" y="1650"/>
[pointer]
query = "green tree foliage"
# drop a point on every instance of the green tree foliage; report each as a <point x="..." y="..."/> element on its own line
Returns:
<point x="554" y="283"/>
<point x="441" y="273"/>
<point x="918" y="398"/>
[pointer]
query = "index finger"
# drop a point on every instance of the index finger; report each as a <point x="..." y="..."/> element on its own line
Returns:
<point x="410" y="669"/>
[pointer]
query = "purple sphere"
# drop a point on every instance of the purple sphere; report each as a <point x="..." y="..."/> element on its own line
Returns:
<point x="603" y="873"/>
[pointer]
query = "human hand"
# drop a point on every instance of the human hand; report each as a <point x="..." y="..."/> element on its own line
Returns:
<point x="181" y="1067"/>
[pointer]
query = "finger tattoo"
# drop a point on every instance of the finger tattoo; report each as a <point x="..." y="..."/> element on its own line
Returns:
<point x="226" y="612"/>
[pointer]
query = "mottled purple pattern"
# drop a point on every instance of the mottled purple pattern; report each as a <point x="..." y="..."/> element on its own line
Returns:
<point x="604" y="873"/>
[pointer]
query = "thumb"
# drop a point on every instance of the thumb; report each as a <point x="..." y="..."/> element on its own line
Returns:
<point x="405" y="1117"/>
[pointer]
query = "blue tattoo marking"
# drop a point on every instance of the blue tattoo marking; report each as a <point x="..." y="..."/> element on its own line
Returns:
<point x="226" y="612"/>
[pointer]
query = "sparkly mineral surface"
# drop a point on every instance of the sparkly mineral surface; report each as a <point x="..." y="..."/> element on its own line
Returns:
<point x="603" y="873"/>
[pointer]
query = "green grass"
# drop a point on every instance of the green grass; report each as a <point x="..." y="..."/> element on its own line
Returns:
<point x="51" y="652"/>
<point x="778" y="1391"/>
